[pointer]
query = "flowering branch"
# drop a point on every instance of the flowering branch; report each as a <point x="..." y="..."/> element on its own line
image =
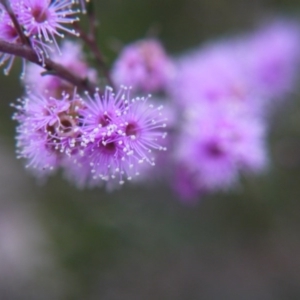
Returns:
<point x="94" y="137"/>
<point x="55" y="68"/>
<point x="25" y="50"/>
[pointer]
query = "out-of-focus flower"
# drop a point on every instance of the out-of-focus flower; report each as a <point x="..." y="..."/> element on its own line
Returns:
<point x="73" y="59"/>
<point x="224" y="91"/>
<point x="215" y="76"/>
<point x="144" y="66"/>
<point x="216" y="143"/>
<point x="212" y="74"/>
<point x="271" y="58"/>
<point x="252" y="69"/>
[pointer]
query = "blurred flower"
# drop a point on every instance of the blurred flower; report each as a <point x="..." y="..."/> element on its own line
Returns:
<point x="271" y="58"/>
<point x="144" y="66"/>
<point x="251" y="70"/>
<point x="212" y="73"/>
<point x="214" y="77"/>
<point x="224" y="92"/>
<point x="215" y="144"/>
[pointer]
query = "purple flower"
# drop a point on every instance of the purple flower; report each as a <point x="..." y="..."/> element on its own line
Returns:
<point x="251" y="70"/>
<point x="48" y="131"/>
<point x="119" y="133"/>
<point x="215" y="74"/>
<point x="36" y="148"/>
<point x="8" y="32"/>
<point x="102" y="139"/>
<point x="72" y="57"/>
<point x="217" y="143"/>
<point x="162" y="159"/>
<point x="141" y="126"/>
<point x="44" y="20"/>
<point x="101" y="113"/>
<point x="271" y="58"/>
<point x="224" y="91"/>
<point x="144" y="66"/>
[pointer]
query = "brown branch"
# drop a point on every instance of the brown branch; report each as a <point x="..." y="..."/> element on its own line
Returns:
<point x="29" y="54"/>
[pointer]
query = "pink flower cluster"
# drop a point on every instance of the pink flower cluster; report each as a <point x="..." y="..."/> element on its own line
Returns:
<point x="215" y="144"/>
<point x="224" y="92"/>
<point x="216" y="102"/>
<point x="104" y="138"/>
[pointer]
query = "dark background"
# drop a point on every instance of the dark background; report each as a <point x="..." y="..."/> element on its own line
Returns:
<point x="57" y="242"/>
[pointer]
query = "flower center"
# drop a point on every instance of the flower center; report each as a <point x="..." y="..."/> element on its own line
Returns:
<point x="131" y="129"/>
<point x="108" y="148"/>
<point x="10" y="32"/>
<point x="214" y="150"/>
<point x="64" y="128"/>
<point x="39" y="14"/>
<point x="104" y="120"/>
<point x="67" y="125"/>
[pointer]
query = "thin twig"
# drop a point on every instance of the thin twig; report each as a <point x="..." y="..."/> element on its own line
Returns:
<point x="29" y="54"/>
<point x="91" y="40"/>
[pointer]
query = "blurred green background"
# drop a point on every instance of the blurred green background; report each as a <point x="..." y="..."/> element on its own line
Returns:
<point x="57" y="242"/>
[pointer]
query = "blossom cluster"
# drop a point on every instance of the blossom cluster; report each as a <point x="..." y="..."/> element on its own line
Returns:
<point x="210" y="107"/>
<point x="226" y="91"/>
<point x="222" y="94"/>
<point x="100" y="138"/>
